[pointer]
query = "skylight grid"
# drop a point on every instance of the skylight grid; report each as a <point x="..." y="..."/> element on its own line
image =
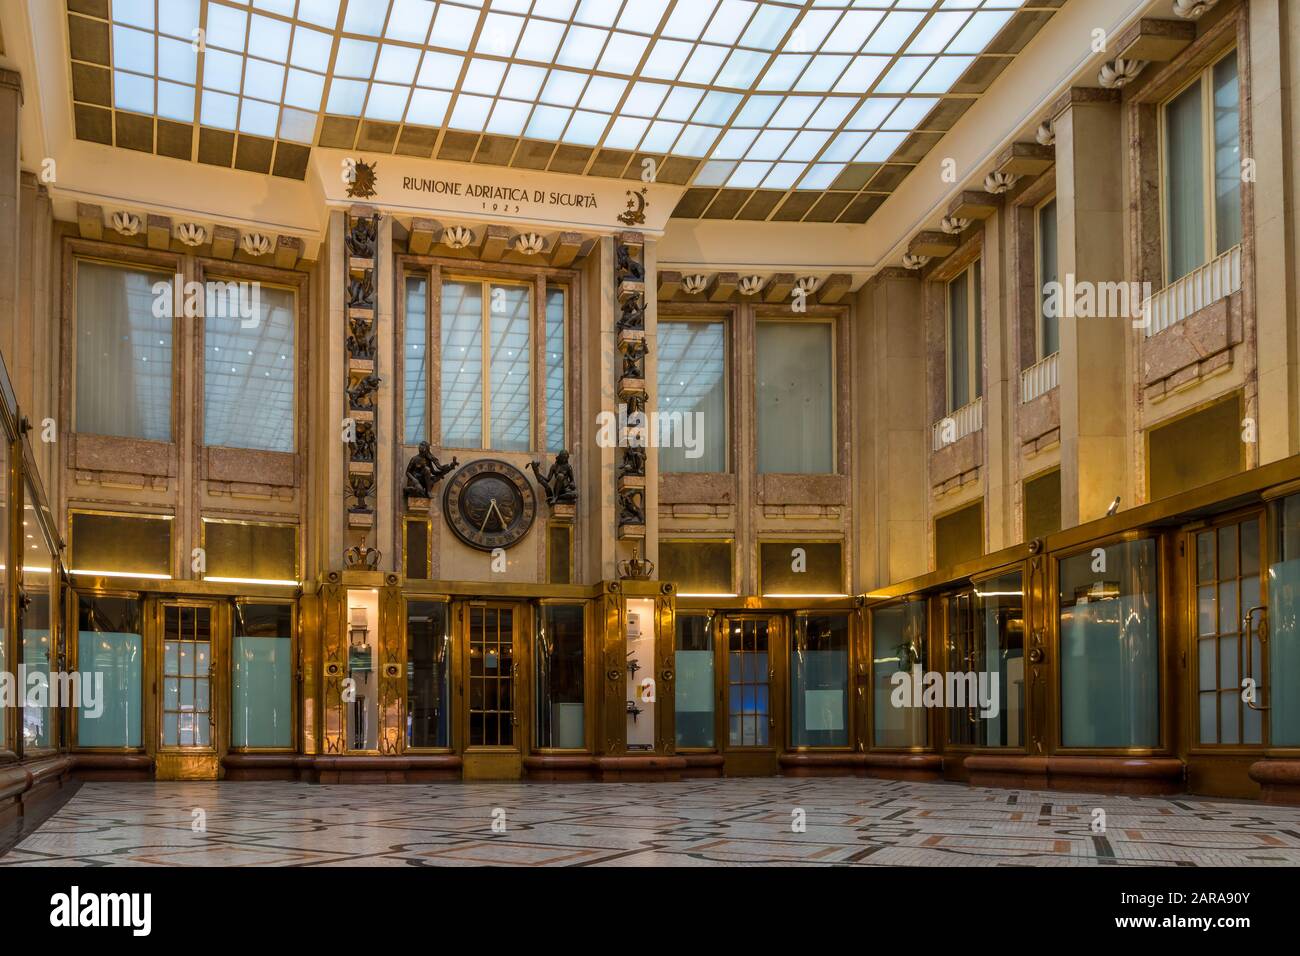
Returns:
<point x="758" y="94"/>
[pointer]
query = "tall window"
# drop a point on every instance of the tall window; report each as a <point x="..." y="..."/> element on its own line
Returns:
<point x="248" y="362"/>
<point x="486" y="325"/>
<point x="965" y="339"/>
<point x="796" y="418"/>
<point x="415" y="362"/>
<point x="124" y="352"/>
<point x="1202" y="176"/>
<point x="556" y="312"/>
<point x="692" y="396"/>
<point x="1049" y="322"/>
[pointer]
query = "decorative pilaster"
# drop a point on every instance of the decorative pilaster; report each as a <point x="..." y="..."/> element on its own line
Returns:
<point x="629" y="282"/>
<point x="361" y="256"/>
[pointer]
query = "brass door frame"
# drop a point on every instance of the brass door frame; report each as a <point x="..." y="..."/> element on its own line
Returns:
<point x="1166" y="650"/>
<point x="855" y="681"/>
<point x="188" y="763"/>
<point x="295" y="683"/>
<point x="1189" y="639"/>
<point x="741" y="759"/>
<point x="591" y="682"/>
<point x="454" y="697"/>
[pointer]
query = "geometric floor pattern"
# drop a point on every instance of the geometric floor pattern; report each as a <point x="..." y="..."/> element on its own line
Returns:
<point x="731" y="822"/>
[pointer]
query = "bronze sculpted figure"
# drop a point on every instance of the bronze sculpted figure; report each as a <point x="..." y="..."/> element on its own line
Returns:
<point x="633" y="462"/>
<point x="363" y="449"/>
<point x="559" y="484"/>
<point x="361" y="239"/>
<point x="633" y="359"/>
<point x="360" y="488"/>
<point x="424" y="471"/>
<point x="631" y="506"/>
<point x="361" y="396"/>
<point x="632" y="315"/>
<point x="627" y="269"/>
<point x="361" y="338"/>
<point x="361" y="292"/>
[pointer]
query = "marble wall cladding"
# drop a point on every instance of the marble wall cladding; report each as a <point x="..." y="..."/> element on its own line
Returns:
<point x="1193" y="347"/>
<point x="1040" y="417"/>
<point x="957" y="462"/>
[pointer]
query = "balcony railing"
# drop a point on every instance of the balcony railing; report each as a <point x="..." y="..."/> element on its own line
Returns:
<point x="1040" y="378"/>
<point x="1203" y="286"/>
<point x="962" y="422"/>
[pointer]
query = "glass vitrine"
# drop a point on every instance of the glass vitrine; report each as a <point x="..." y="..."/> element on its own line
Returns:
<point x="639" y="669"/>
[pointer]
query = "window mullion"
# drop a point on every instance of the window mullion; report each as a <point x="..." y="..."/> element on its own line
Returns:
<point x="485" y="311"/>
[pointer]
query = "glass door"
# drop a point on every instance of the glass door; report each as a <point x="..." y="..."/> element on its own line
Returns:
<point x="984" y="686"/>
<point x="750" y="682"/>
<point x="492" y="718"/>
<point x="187" y="693"/>
<point x="1278" y="629"/>
<point x="1231" y="670"/>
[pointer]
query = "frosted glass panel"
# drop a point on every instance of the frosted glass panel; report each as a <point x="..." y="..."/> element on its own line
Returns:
<point x="1227" y="155"/>
<point x="124" y="353"/>
<point x="115" y="657"/>
<point x="694" y="687"/>
<point x="555" y="345"/>
<point x="1184" y="185"/>
<point x="1110" y="648"/>
<point x="794" y="398"/>
<point x="511" y="385"/>
<point x="415" y="363"/>
<point x="261" y="689"/>
<point x="248" y="367"/>
<point x="1047" y="250"/>
<point x="1284" y="626"/>
<point x="462" y="365"/>
<point x="38" y="731"/>
<point x="692" y="396"/>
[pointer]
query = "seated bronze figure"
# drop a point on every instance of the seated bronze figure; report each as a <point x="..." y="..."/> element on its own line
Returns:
<point x="423" y="472"/>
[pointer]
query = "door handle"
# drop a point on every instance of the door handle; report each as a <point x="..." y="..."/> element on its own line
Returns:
<point x="1247" y="626"/>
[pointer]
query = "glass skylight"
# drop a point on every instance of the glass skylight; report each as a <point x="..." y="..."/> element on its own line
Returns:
<point x="773" y="94"/>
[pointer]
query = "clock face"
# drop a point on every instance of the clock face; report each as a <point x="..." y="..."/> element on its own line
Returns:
<point x="489" y="504"/>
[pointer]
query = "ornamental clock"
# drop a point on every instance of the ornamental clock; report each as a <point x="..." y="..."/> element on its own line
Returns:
<point x="489" y="504"/>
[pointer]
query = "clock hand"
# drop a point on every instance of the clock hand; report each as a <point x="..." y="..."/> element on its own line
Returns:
<point x="492" y="506"/>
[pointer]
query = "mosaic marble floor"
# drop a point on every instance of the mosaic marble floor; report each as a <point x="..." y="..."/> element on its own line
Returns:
<point x="736" y="822"/>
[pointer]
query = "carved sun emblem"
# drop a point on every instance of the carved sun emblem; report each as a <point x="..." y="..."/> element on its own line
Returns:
<point x="362" y="183"/>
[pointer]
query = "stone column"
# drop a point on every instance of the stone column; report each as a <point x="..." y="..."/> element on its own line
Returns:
<point x="896" y="427"/>
<point x="1095" y="397"/>
<point x="11" y="102"/>
<point x="1001" y="388"/>
<point x="1272" y="112"/>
